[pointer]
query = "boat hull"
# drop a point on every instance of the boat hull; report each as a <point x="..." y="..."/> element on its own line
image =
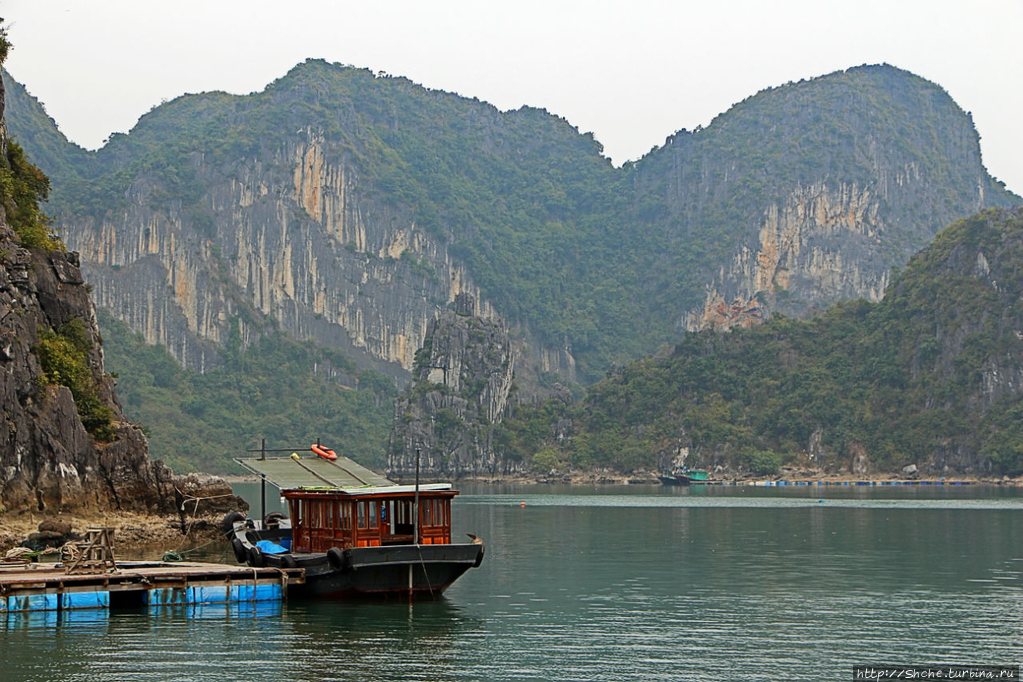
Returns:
<point x="687" y="477"/>
<point x="422" y="571"/>
<point x="401" y="571"/>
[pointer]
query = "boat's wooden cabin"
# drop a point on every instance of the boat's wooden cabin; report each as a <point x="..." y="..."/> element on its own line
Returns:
<point x="368" y="517"/>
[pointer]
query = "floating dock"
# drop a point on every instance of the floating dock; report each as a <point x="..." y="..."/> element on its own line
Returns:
<point x="49" y="587"/>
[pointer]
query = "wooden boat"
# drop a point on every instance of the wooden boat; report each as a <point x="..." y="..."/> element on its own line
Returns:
<point x="353" y="531"/>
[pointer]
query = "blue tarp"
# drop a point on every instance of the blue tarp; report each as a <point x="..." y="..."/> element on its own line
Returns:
<point x="270" y="547"/>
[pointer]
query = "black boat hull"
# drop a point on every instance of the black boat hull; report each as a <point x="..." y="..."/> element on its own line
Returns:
<point x="403" y="571"/>
<point x="422" y="571"/>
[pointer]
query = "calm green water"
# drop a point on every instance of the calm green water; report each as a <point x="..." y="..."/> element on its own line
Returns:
<point x="631" y="583"/>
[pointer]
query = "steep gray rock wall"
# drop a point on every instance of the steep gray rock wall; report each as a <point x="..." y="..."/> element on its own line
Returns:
<point x="293" y="241"/>
<point x="462" y="387"/>
<point x="49" y="462"/>
<point x="820" y="246"/>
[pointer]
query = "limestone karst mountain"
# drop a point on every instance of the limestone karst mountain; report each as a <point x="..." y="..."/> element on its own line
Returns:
<point x="352" y="208"/>
<point x="930" y="379"/>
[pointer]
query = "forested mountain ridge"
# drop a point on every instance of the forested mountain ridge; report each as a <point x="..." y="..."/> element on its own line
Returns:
<point x="815" y="190"/>
<point x="931" y="376"/>
<point x="350" y="208"/>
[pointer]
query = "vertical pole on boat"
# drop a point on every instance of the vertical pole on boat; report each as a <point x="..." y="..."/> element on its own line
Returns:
<point x="415" y="524"/>
<point x="262" y="483"/>
<point x="415" y="503"/>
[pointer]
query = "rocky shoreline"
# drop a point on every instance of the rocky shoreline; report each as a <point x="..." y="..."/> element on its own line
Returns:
<point x="131" y="529"/>
<point x="199" y="501"/>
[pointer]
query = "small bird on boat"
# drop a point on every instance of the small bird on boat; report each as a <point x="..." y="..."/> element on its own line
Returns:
<point x="475" y="540"/>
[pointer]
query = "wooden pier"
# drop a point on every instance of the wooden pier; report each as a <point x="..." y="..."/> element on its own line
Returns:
<point x="27" y="587"/>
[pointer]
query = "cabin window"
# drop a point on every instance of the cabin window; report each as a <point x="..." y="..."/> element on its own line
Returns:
<point x="346" y="516"/>
<point x="403" y="518"/>
<point x="434" y="512"/>
<point x="330" y="508"/>
<point x="367" y="514"/>
<point x="315" y="513"/>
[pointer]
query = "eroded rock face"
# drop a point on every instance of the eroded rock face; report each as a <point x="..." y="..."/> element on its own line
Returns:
<point x="462" y="384"/>
<point x="306" y="248"/>
<point x="49" y="462"/>
<point x="823" y="244"/>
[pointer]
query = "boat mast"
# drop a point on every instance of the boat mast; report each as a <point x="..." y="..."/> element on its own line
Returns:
<point x="415" y="524"/>
<point x="415" y="503"/>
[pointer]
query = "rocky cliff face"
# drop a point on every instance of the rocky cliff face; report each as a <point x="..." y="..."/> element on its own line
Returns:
<point x="290" y="241"/>
<point x="462" y="386"/>
<point x="864" y="188"/>
<point x="352" y="209"/>
<point x="818" y="247"/>
<point x="49" y="462"/>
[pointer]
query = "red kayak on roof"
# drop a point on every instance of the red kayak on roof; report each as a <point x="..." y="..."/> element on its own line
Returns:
<point x="325" y="453"/>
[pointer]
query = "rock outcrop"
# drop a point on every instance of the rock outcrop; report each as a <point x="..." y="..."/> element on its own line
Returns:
<point x="49" y="462"/>
<point x="462" y="386"/>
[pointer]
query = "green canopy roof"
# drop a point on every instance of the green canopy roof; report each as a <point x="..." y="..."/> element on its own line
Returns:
<point x="312" y="471"/>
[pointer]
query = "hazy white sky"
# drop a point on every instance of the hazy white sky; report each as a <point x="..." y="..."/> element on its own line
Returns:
<point x="630" y="72"/>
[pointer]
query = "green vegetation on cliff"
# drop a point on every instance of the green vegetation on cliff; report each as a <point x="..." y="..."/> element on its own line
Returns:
<point x="23" y="186"/>
<point x="64" y="358"/>
<point x="932" y="375"/>
<point x="598" y="260"/>
<point x="200" y="421"/>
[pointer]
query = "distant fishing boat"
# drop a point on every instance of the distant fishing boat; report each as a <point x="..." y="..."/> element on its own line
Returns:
<point x="680" y="474"/>
<point x="684" y="476"/>
<point x="354" y="532"/>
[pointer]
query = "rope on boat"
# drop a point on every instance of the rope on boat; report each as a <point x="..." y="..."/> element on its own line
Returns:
<point x="69" y="552"/>
<point x="426" y="575"/>
<point x="191" y="498"/>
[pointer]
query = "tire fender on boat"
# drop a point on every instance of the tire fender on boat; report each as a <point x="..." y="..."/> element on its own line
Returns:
<point x="337" y="560"/>
<point x="256" y="558"/>
<point x="273" y="520"/>
<point x="241" y="554"/>
<point x="227" y="525"/>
